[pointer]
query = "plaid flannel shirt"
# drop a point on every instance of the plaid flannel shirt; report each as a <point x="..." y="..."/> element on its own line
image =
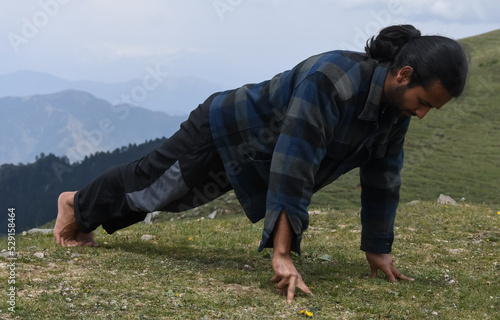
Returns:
<point x="283" y="139"/>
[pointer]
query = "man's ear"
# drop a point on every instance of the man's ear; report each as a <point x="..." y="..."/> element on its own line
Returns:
<point x="404" y="74"/>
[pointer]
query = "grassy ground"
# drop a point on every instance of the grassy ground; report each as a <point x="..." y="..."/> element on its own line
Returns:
<point x="210" y="269"/>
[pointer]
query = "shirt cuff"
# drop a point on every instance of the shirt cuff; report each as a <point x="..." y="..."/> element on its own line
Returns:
<point x="381" y="244"/>
<point x="270" y="223"/>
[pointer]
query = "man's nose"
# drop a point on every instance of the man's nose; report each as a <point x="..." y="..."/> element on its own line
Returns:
<point x="421" y="112"/>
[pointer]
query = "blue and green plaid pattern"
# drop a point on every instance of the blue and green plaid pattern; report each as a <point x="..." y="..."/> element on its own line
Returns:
<point x="283" y="139"/>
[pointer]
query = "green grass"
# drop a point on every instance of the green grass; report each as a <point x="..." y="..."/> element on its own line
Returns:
<point x="210" y="269"/>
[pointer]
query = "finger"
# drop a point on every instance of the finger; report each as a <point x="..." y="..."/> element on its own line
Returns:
<point x="373" y="273"/>
<point x="282" y="284"/>
<point x="399" y="275"/>
<point x="302" y="286"/>
<point x="402" y="276"/>
<point x="275" y="279"/>
<point x="389" y="274"/>
<point x="291" y="290"/>
<point x="63" y="242"/>
<point x="70" y="243"/>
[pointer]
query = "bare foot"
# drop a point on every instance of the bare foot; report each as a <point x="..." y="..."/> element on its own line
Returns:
<point x="86" y="239"/>
<point x="66" y="230"/>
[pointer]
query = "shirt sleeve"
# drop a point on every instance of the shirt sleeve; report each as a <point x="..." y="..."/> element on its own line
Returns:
<point x="380" y="184"/>
<point x="306" y="130"/>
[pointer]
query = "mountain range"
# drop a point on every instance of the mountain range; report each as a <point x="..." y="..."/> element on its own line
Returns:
<point x="74" y="124"/>
<point x="156" y="90"/>
<point x="48" y="114"/>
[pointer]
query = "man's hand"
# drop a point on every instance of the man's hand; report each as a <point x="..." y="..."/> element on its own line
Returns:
<point x="286" y="276"/>
<point x="385" y="263"/>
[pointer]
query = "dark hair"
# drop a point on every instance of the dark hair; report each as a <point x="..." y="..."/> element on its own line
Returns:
<point x="431" y="57"/>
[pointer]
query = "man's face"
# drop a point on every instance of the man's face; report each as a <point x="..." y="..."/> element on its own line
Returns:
<point x="415" y="101"/>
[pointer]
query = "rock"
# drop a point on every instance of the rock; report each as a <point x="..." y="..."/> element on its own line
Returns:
<point x="8" y="254"/>
<point x="39" y="255"/>
<point x="147" y="237"/>
<point x="413" y="203"/>
<point x="151" y="217"/>
<point x="447" y="200"/>
<point x="40" y="231"/>
<point x="212" y="215"/>
<point x="326" y="257"/>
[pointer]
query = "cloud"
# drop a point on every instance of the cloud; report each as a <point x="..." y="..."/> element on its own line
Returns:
<point x="247" y="39"/>
<point x="460" y="11"/>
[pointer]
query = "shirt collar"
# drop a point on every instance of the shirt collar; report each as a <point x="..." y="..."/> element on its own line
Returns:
<point x="372" y="106"/>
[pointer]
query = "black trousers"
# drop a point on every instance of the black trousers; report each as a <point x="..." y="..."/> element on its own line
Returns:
<point x="185" y="172"/>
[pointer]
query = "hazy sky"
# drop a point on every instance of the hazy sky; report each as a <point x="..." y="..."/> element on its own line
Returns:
<point x="228" y="42"/>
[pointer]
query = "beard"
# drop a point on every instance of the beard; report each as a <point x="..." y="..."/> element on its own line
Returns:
<point x="394" y="101"/>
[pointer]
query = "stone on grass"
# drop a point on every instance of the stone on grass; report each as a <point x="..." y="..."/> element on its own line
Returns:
<point x="8" y="254"/>
<point x="212" y="215"/>
<point x="413" y="203"/>
<point x="151" y="217"/>
<point x="147" y="237"/>
<point x="40" y="231"/>
<point x="447" y="200"/>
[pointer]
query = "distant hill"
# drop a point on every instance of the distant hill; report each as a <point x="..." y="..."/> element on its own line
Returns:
<point x="74" y="124"/>
<point x="156" y="90"/>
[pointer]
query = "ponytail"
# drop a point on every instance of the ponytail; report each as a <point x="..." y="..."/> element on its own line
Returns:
<point x="389" y="42"/>
<point x="431" y="57"/>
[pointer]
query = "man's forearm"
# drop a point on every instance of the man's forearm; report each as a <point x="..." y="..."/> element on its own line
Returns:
<point x="282" y="235"/>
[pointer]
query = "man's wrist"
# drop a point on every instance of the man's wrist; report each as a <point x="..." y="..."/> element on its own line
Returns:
<point x="280" y="251"/>
<point x="282" y="236"/>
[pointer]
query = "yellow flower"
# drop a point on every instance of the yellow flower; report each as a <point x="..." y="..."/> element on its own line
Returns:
<point x="498" y="212"/>
<point x="190" y="238"/>
<point x="307" y="313"/>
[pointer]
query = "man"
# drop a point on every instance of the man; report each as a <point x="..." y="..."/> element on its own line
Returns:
<point x="277" y="142"/>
